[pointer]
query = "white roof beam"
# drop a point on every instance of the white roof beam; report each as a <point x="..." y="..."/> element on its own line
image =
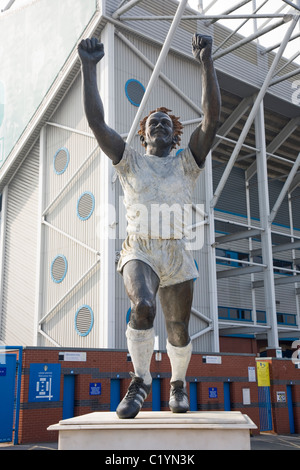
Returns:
<point x="279" y="281"/>
<point x="279" y="248"/>
<point x="270" y="19"/>
<point x="125" y="8"/>
<point x="230" y="10"/>
<point x="239" y="27"/>
<point x="253" y="36"/>
<point x="285" y="77"/>
<point x="231" y="328"/>
<point x="250" y="16"/>
<point x="292" y="4"/>
<point x="237" y="236"/>
<point x="294" y="56"/>
<point x="271" y="48"/>
<point x="210" y="6"/>
<point x="239" y="271"/>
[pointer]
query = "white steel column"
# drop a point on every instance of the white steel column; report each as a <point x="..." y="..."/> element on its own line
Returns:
<point x="266" y="238"/>
<point x="39" y="292"/>
<point x="2" y="247"/>
<point x="107" y="200"/>
<point x="211" y="254"/>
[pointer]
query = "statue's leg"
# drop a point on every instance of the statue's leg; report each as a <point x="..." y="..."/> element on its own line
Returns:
<point x="176" y="303"/>
<point x="141" y="284"/>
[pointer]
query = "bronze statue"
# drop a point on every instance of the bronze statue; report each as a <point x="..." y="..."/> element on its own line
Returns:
<point x="150" y="263"/>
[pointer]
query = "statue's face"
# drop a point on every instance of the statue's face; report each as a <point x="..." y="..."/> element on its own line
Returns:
<point x="159" y="129"/>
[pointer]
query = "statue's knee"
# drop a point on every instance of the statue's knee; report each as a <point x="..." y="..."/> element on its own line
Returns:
<point x="143" y="314"/>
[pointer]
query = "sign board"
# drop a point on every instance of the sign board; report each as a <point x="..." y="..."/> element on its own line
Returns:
<point x="95" y="388"/>
<point x="281" y="397"/>
<point x="2" y="371"/>
<point x="263" y="374"/>
<point x="212" y="359"/>
<point x="213" y="392"/>
<point x="72" y="356"/>
<point x="44" y="382"/>
<point x="251" y="374"/>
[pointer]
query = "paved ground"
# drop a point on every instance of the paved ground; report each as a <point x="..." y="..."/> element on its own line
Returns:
<point x="46" y="446"/>
<point x="261" y="442"/>
<point x="275" y="442"/>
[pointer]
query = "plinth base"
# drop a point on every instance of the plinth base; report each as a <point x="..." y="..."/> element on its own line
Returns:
<point x="156" y="431"/>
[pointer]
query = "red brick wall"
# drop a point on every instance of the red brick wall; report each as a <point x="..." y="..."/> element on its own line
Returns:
<point x="238" y="345"/>
<point x="102" y="365"/>
<point x="283" y="373"/>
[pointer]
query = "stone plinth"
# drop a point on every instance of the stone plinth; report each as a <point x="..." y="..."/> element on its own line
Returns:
<point x="213" y="430"/>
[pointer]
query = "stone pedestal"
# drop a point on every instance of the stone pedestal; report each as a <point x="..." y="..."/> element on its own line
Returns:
<point x="213" y="430"/>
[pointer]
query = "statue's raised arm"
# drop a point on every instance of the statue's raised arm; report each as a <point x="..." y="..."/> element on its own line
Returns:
<point x="202" y="138"/>
<point x="91" y="52"/>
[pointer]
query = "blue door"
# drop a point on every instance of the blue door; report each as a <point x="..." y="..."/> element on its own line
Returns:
<point x="193" y="396"/>
<point x="69" y="396"/>
<point x="156" y="395"/>
<point x="227" y="405"/>
<point x="7" y="396"/>
<point x="290" y="408"/>
<point x="114" y="394"/>
<point x="265" y="410"/>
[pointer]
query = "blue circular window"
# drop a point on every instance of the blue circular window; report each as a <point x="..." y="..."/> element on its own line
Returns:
<point x="61" y="160"/>
<point x="84" y="320"/>
<point x="134" y="91"/>
<point x="59" y="267"/>
<point x="85" y="205"/>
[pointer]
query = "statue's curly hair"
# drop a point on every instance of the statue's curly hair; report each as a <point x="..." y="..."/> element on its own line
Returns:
<point x="177" y="126"/>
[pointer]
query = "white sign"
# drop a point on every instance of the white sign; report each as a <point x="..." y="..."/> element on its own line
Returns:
<point x="72" y="356"/>
<point x="246" y="396"/>
<point x="251" y="374"/>
<point x="212" y="359"/>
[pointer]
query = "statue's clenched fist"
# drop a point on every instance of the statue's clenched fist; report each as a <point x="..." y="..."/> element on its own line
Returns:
<point x="90" y="50"/>
<point x="202" y="47"/>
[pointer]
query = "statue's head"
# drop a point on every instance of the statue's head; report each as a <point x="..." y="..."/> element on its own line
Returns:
<point x="171" y="127"/>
